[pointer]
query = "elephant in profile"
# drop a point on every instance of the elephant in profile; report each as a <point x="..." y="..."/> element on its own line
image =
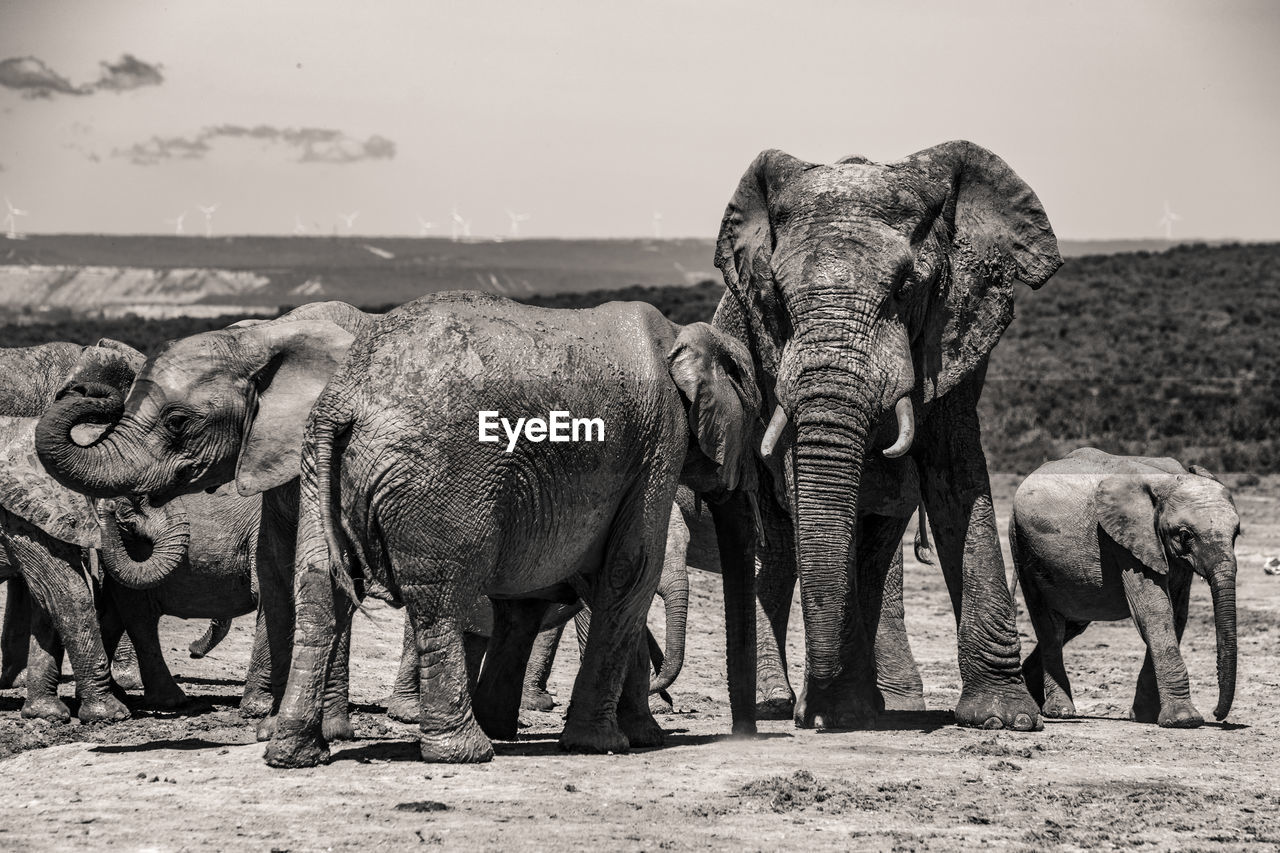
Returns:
<point x="401" y="494"/>
<point x="1102" y="537"/>
<point x="871" y="295"/>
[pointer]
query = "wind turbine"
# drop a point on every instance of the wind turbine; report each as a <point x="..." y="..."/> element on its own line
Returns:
<point x="208" y="217"/>
<point x="424" y="226"/>
<point x="298" y="226"/>
<point x="11" y="220"/>
<point x="657" y="225"/>
<point x="461" y="228"/>
<point x="349" y="219"/>
<point x="516" y="219"/>
<point x="1167" y="221"/>
<point x="176" y="222"/>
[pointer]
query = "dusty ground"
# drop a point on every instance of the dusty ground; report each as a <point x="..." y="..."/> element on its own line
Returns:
<point x="918" y="782"/>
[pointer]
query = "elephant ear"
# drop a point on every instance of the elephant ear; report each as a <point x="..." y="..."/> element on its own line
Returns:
<point x="27" y="490"/>
<point x="744" y="248"/>
<point x="1126" y="506"/>
<point x="714" y="373"/>
<point x="293" y="363"/>
<point x="1201" y="471"/>
<point x="992" y="232"/>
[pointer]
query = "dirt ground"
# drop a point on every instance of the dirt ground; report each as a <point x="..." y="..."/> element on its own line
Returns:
<point x="915" y="783"/>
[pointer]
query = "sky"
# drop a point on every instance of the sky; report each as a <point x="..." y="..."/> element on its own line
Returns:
<point x="590" y="118"/>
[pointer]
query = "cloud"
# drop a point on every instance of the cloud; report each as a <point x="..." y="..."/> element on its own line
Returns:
<point x="312" y="144"/>
<point x="129" y="73"/>
<point x="34" y="79"/>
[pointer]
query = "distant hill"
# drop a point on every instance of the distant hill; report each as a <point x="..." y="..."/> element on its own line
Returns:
<point x="161" y="276"/>
<point x="1170" y="353"/>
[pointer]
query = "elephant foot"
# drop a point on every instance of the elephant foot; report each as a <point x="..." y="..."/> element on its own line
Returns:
<point x="594" y="738"/>
<point x="255" y="705"/>
<point x="641" y="730"/>
<point x="902" y="701"/>
<point x="171" y="698"/>
<point x="49" y="708"/>
<point x="1012" y="708"/>
<point x="1059" y="708"/>
<point x="296" y="745"/>
<point x="779" y="703"/>
<point x="406" y="709"/>
<point x="266" y="729"/>
<point x="13" y="677"/>
<point x="337" y="726"/>
<point x="1179" y="715"/>
<point x="537" y="699"/>
<point x="834" y="707"/>
<point x="659" y="704"/>
<point x="107" y="709"/>
<point x="127" y="677"/>
<point x="466" y="745"/>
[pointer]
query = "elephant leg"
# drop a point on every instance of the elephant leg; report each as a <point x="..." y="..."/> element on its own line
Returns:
<point x="402" y="704"/>
<point x="897" y="676"/>
<point x="535" y="696"/>
<point x="634" y="716"/>
<point x="496" y="700"/>
<point x="450" y="732"/>
<point x="1149" y="701"/>
<point x="53" y="573"/>
<point x="619" y="599"/>
<point x="141" y="615"/>
<point x="337" y="711"/>
<point x="775" y="586"/>
<point x="44" y="667"/>
<point x="125" y="673"/>
<point x="957" y="497"/>
<point x="15" y="636"/>
<point x="256" y="701"/>
<point x="277" y="540"/>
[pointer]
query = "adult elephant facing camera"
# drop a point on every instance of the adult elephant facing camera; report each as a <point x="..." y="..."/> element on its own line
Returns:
<point x="872" y="294"/>
<point x="397" y="489"/>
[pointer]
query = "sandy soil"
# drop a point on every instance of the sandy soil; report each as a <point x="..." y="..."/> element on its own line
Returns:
<point x="916" y="783"/>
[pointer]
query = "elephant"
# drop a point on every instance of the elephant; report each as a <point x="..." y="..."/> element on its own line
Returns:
<point x="49" y="536"/>
<point x="871" y="295"/>
<point x="402" y="494"/>
<point x="184" y="428"/>
<point x="1102" y="537"/>
<point x="138" y="454"/>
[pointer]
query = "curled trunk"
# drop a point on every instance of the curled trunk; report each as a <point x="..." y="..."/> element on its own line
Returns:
<point x="1222" y="583"/>
<point x="142" y="547"/>
<point x="100" y="469"/>
<point x="674" y="592"/>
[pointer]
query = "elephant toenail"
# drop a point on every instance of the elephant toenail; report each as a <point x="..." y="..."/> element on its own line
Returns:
<point x="1022" y="721"/>
<point x="993" y="723"/>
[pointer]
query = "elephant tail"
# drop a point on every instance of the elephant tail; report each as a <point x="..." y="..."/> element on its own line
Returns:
<point x="324" y="430"/>
<point x="924" y="552"/>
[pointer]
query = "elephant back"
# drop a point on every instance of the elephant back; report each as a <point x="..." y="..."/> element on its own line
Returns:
<point x="27" y="490"/>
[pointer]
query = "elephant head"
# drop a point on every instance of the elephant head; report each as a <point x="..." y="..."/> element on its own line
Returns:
<point x="220" y="406"/>
<point x="716" y="378"/>
<point x="866" y="291"/>
<point x="1187" y="521"/>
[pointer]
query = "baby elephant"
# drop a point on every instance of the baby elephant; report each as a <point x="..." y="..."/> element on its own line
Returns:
<point x="1102" y="537"/>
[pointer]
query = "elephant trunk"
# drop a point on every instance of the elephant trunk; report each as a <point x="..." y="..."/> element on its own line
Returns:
<point x="208" y="641"/>
<point x="155" y="547"/>
<point x="674" y="592"/>
<point x="831" y="437"/>
<point x="99" y="469"/>
<point x="1222" y="583"/>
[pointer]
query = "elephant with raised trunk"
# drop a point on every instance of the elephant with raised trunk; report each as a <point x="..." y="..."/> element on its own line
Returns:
<point x="871" y="295"/>
<point x="398" y="494"/>
<point x="1102" y="537"/>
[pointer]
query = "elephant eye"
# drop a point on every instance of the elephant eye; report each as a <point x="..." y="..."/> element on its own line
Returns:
<point x="176" y="422"/>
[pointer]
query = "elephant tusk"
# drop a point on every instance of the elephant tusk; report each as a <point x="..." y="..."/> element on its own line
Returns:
<point x="906" y="429"/>
<point x="771" y="435"/>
